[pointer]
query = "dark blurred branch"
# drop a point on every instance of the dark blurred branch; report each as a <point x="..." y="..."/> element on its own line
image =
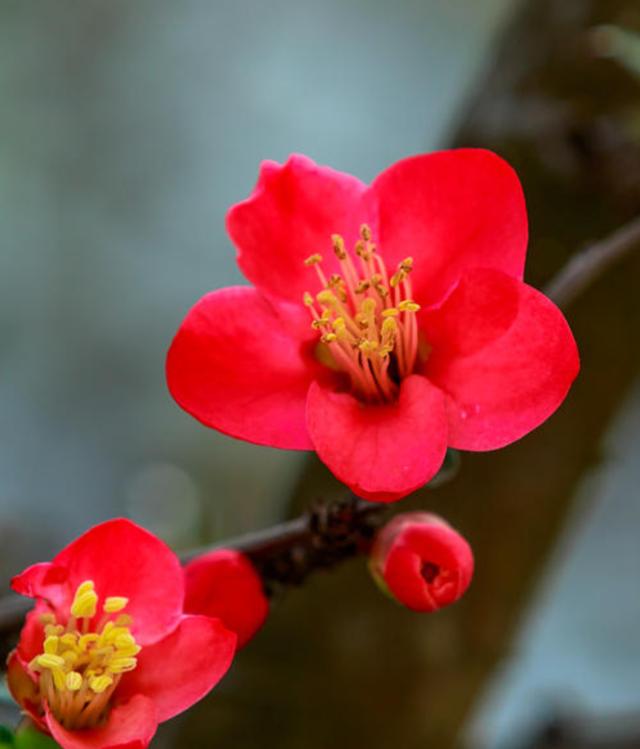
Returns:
<point x="287" y="553"/>
<point x="587" y="266"/>
<point x="284" y="555"/>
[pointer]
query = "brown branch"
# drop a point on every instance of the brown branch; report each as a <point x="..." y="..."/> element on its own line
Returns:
<point x="587" y="266"/>
<point x="285" y="554"/>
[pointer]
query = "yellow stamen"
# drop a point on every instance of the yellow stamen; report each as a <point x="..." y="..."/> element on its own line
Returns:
<point x="114" y="604"/>
<point x="100" y="683"/>
<point x="73" y="681"/>
<point x="366" y="319"/>
<point x="85" y="602"/>
<point x="47" y="660"/>
<point x="79" y="669"/>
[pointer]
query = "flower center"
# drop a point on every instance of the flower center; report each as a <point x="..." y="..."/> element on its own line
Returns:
<point x="366" y="318"/>
<point x="82" y="663"/>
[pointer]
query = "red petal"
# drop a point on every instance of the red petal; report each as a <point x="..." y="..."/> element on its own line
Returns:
<point x="505" y="356"/>
<point x="23" y="686"/>
<point x="291" y="214"/>
<point x="44" y="580"/>
<point x="129" y="726"/>
<point x="451" y="211"/>
<point x="123" y="559"/>
<point x="179" y="670"/>
<point x="381" y="452"/>
<point x="243" y="366"/>
<point x="32" y="634"/>
<point x="224" y="584"/>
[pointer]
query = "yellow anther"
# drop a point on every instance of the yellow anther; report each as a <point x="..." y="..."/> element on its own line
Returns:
<point x="307" y="299"/>
<point x="100" y="683"/>
<point x="338" y="246"/>
<point x="73" y="681"/>
<point x="124" y="620"/>
<point x="49" y="660"/>
<point x="362" y="287"/>
<point x="365" y="232"/>
<point x="114" y="603"/>
<point x="85" y="587"/>
<point x="408" y="305"/>
<point x="329" y="338"/>
<point x="368" y="307"/>
<point x="122" y="665"/>
<point x="70" y="657"/>
<point x="85" y="601"/>
<point x="389" y="326"/>
<point x="361" y="250"/>
<point x="327" y="297"/>
<point x="51" y="644"/>
<point x="313" y="259"/>
<point x="367" y="346"/>
<point x="52" y="630"/>
<point x="87" y="640"/>
<point x="125" y="640"/>
<point x="58" y="678"/>
<point x="390" y="312"/>
<point x="47" y="619"/>
<point x="69" y="639"/>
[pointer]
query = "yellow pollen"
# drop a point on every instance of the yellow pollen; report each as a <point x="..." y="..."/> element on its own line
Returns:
<point x="48" y="660"/>
<point x="85" y="601"/>
<point x="365" y="318"/>
<point x="114" y="604"/>
<point x="78" y="670"/>
<point x="73" y="681"/>
<point x="408" y="306"/>
<point x="338" y="246"/>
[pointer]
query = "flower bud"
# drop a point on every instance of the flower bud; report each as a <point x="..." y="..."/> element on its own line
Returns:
<point x="224" y="584"/>
<point x="421" y="561"/>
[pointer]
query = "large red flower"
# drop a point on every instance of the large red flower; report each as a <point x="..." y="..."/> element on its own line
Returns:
<point x="422" y="332"/>
<point x="107" y="653"/>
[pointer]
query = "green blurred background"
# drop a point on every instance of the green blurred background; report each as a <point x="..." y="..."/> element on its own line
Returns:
<point x="126" y="131"/>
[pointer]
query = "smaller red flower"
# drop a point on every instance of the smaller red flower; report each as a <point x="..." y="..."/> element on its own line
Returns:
<point x="422" y="561"/>
<point x="224" y="583"/>
<point x="107" y="653"/>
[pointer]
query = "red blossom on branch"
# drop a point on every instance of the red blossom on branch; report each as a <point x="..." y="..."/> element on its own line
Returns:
<point x="224" y="583"/>
<point x="108" y="652"/>
<point x="386" y="322"/>
<point x="422" y="561"/>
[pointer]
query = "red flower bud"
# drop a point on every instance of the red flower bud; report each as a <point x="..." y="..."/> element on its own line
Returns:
<point x="422" y="561"/>
<point x="224" y="584"/>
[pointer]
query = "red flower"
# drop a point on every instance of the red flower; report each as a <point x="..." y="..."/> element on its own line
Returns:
<point x="223" y="583"/>
<point x="107" y="653"/>
<point x="424" y="336"/>
<point x="423" y="562"/>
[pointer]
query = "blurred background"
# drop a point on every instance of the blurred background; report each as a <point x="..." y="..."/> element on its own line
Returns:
<point x="126" y="131"/>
